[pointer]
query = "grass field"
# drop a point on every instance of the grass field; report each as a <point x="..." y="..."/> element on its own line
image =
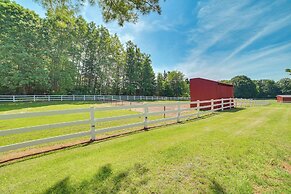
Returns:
<point x="238" y="151"/>
<point x="46" y="106"/>
<point x="8" y="108"/>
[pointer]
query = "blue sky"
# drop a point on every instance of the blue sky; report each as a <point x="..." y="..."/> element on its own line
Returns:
<point x="215" y="39"/>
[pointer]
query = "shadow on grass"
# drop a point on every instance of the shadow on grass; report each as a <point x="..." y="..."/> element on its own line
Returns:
<point x="217" y="188"/>
<point x="7" y="106"/>
<point x="233" y="110"/>
<point x="105" y="181"/>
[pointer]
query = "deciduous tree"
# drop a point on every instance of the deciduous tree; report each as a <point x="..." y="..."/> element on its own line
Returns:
<point x="244" y="87"/>
<point x="284" y="85"/>
<point x="120" y="10"/>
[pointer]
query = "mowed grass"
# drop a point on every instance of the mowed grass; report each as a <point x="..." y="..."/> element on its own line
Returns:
<point x="239" y="151"/>
<point x="8" y="108"/>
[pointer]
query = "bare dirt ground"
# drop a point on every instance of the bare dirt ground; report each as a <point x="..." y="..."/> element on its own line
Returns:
<point x="152" y="108"/>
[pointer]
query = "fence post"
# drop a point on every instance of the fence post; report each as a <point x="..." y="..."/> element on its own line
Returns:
<point x="198" y="108"/>
<point x="33" y="98"/>
<point x="222" y="105"/>
<point x="92" y="122"/>
<point x="164" y="111"/>
<point x="212" y="105"/>
<point x="48" y="98"/>
<point x="61" y="97"/>
<point x="84" y="97"/>
<point x="179" y="112"/>
<point x="73" y="97"/>
<point x="13" y="98"/>
<point x="146" y="110"/>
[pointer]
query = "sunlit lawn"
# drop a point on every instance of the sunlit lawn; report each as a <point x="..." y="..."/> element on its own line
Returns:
<point x="240" y="151"/>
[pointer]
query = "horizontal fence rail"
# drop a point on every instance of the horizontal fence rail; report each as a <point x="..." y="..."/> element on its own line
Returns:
<point x="201" y="108"/>
<point x="240" y="102"/>
<point x="104" y="98"/>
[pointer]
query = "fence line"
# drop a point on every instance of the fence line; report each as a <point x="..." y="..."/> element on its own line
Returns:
<point x="241" y="102"/>
<point x="201" y="108"/>
<point x="107" y="98"/>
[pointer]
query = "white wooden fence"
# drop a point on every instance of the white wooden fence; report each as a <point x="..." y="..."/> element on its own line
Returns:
<point x="241" y="102"/>
<point x="39" y="98"/>
<point x="200" y="107"/>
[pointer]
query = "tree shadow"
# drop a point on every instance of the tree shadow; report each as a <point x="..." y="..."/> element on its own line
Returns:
<point x="233" y="110"/>
<point x="62" y="186"/>
<point x="216" y="187"/>
<point x="104" y="181"/>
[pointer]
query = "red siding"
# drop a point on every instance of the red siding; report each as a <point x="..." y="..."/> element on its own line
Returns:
<point x="283" y="99"/>
<point x="203" y="89"/>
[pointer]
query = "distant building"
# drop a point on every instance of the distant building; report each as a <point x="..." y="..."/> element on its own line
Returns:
<point x="284" y="98"/>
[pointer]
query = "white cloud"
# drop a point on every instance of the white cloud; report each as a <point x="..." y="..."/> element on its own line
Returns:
<point x="268" y="29"/>
<point x="259" y="61"/>
<point x="225" y="29"/>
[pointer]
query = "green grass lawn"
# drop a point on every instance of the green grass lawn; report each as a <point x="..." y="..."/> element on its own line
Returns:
<point x="46" y="106"/>
<point x="9" y="108"/>
<point x="240" y="151"/>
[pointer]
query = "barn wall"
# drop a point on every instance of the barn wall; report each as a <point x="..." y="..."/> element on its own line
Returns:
<point x="287" y="99"/>
<point x="203" y="89"/>
<point x="283" y="99"/>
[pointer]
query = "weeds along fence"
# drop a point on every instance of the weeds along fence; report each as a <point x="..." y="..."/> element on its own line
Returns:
<point x="179" y="111"/>
<point x="104" y="98"/>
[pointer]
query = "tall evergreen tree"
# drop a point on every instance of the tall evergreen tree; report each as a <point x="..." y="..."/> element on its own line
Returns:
<point x="59" y="27"/>
<point x="148" y="77"/>
<point x="133" y="68"/>
<point x="160" y="85"/>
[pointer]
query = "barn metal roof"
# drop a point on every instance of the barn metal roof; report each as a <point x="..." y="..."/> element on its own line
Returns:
<point x="218" y="82"/>
<point x="288" y="96"/>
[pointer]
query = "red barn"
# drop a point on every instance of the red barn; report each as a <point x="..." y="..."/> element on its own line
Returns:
<point x="204" y="89"/>
<point x="284" y="98"/>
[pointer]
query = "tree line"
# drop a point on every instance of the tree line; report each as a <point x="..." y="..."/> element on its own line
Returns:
<point x="64" y="54"/>
<point x="244" y="87"/>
